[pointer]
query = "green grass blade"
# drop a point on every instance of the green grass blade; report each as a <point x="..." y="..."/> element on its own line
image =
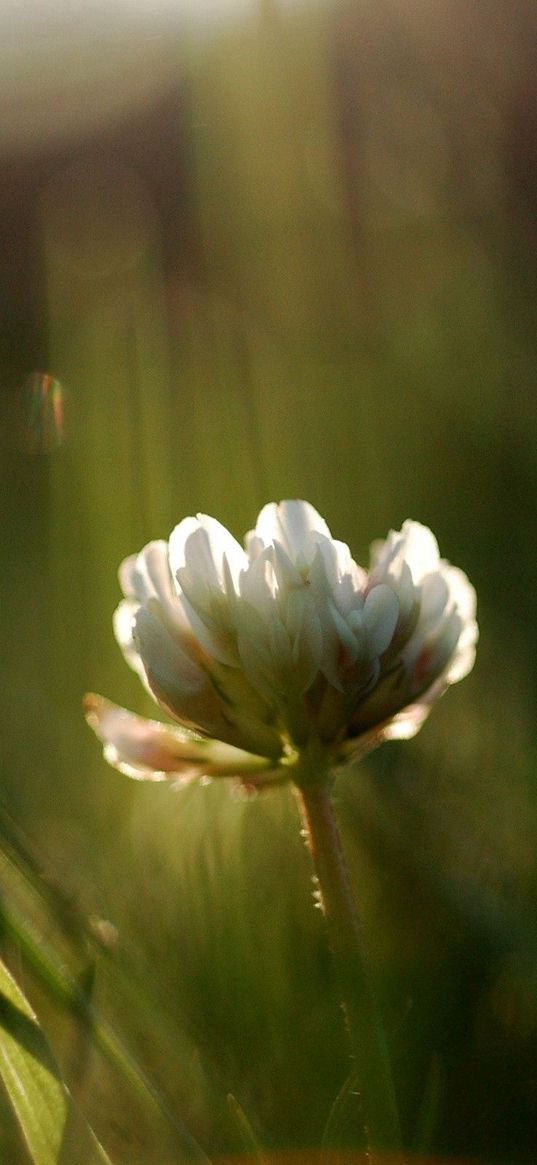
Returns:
<point x="429" y="1109"/>
<point x="245" y="1130"/>
<point x="51" y="1125"/>
<point x="23" y="907"/>
<point x="345" y="1109"/>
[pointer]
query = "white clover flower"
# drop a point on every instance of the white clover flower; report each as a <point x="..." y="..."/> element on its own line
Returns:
<point x="257" y="653"/>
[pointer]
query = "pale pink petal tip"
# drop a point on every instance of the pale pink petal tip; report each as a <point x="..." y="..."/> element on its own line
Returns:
<point x="150" y="751"/>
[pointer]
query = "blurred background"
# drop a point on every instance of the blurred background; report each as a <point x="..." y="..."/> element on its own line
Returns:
<point x="252" y="251"/>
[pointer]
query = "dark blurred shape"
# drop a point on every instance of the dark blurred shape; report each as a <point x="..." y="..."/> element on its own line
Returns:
<point x="43" y="413"/>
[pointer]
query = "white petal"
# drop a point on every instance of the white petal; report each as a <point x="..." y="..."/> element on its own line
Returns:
<point x="291" y="523"/>
<point x="211" y="627"/>
<point x="281" y="651"/>
<point x="420" y="549"/>
<point x="380" y="615"/>
<point x="346" y="563"/>
<point x="146" y="579"/>
<point x="175" y="679"/>
<point x="127" y="577"/>
<point x="285" y="570"/>
<point x="147" y="574"/>
<point x="294" y="611"/>
<point x="443" y="641"/>
<point x="140" y="748"/>
<point x="307" y="649"/>
<point x="461" y="592"/>
<point x="258" y="585"/>
<point x="256" y="661"/>
<point x="124" y="620"/>
<point x="464" y="597"/>
<point x="434" y="597"/>
<point x="149" y="750"/>
<point x="414" y="545"/>
<point x="403" y="726"/>
<point x="200" y="544"/>
<point x="342" y="645"/>
<point x="463" y="660"/>
<point x="408" y="596"/>
<point x="334" y="573"/>
<point x="208" y="565"/>
<point x="439" y="650"/>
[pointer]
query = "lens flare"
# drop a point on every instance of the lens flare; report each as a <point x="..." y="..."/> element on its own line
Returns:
<point x="43" y="413"/>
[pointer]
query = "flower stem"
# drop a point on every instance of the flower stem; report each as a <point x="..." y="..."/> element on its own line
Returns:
<point x="366" y="1036"/>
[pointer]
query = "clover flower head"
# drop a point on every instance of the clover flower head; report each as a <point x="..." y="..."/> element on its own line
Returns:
<point x="255" y="652"/>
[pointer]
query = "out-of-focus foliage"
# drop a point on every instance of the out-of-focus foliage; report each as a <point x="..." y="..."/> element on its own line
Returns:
<point x="49" y="1121"/>
<point x="304" y="264"/>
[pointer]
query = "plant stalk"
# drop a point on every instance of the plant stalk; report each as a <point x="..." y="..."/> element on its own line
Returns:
<point x="366" y="1036"/>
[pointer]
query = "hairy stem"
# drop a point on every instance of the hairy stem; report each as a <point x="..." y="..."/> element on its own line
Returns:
<point x="366" y="1036"/>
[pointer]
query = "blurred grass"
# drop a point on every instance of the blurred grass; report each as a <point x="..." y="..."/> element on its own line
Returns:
<point x="309" y="270"/>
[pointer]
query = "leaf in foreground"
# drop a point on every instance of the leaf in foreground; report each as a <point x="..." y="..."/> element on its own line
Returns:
<point x="346" y="1107"/>
<point x="54" y="1130"/>
<point x="244" y="1128"/>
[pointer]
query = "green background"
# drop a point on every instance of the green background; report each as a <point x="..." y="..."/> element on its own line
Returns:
<point x="291" y="255"/>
